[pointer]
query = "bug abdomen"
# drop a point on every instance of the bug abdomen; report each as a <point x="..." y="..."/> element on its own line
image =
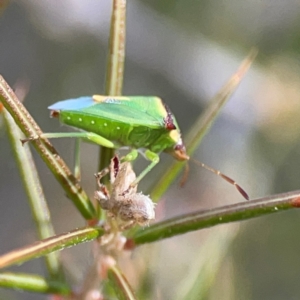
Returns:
<point x="110" y="129"/>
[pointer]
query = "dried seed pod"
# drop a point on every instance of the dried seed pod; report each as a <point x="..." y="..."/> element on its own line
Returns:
<point x="124" y="203"/>
<point x="140" y="208"/>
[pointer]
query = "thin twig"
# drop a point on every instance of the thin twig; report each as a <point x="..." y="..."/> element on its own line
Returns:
<point x="220" y="215"/>
<point x="44" y="247"/>
<point x="47" y="152"/>
<point x="34" y="191"/>
<point x="115" y="65"/>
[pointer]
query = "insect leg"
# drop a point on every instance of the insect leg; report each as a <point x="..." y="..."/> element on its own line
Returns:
<point x="100" y="175"/>
<point x="131" y="156"/>
<point x="154" y="158"/>
<point x="102" y="194"/>
<point x="89" y="136"/>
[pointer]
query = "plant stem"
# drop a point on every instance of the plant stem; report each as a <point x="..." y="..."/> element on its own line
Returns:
<point x="208" y="218"/>
<point x="47" y="152"/>
<point x="50" y="245"/>
<point x="33" y="283"/>
<point x="34" y="191"/>
<point x="120" y="283"/>
<point x="115" y="65"/>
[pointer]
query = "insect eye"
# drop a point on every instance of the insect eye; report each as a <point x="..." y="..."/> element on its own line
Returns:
<point x="54" y="114"/>
<point x="168" y="120"/>
<point x="179" y="147"/>
<point x="169" y="124"/>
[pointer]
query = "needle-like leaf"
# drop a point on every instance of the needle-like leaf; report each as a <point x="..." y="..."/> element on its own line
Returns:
<point x="202" y="125"/>
<point x="220" y="215"/>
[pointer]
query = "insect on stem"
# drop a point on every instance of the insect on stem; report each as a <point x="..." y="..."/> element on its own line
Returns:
<point x="120" y="121"/>
<point x="228" y="179"/>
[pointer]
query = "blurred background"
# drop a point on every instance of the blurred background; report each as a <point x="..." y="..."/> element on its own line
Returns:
<point x="182" y="51"/>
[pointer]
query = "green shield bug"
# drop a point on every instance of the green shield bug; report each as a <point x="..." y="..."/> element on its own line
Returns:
<point x="133" y="121"/>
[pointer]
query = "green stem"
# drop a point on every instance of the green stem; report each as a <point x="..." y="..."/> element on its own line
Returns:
<point x="33" y="283"/>
<point x="34" y="191"/>
<point x="208" y="218"/>
<point x="50" y="245"/>
<point x="115" y="66"/>
<point x="121" y="286"/>
<point x="116" y="58"/>
<point x="47" y="152"/>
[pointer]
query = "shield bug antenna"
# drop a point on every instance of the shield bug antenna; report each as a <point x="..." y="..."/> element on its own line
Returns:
<point x="225" y="177"/>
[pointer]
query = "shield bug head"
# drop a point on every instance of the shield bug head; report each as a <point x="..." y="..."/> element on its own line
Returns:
<point x="177" y="148"/>
<point x="178" y="151"/>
